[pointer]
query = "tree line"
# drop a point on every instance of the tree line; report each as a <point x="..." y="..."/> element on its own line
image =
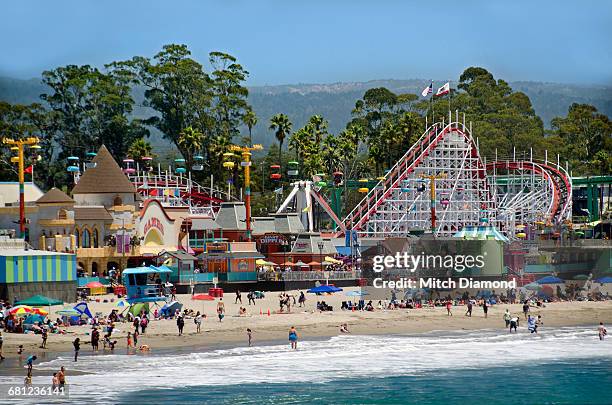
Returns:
<point x="202" y="110"/>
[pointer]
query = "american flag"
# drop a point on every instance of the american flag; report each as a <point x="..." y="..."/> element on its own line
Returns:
<point x="427" y="90"/>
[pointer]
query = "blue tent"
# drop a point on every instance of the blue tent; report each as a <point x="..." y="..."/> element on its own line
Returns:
<point x="33" y="318"/>
<point x="324" y="289"/>
<point x="604" y="280"/>
<point x="550" y="280"/>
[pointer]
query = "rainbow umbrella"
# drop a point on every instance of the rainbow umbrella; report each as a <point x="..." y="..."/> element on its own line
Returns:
<point x="21" y="310"/>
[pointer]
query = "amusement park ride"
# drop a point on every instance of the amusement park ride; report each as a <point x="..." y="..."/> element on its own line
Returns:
<point x="464" y="190"/>
<point x="440" y="185"/>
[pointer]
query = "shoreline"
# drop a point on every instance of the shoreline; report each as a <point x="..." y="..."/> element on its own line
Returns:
<point x="162" y="335"/>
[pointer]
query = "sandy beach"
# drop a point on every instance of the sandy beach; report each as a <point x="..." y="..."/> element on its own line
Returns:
<point x="311" y="324"/>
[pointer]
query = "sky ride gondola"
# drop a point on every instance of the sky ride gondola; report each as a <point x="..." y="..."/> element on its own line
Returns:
<point x="198" y="163"/>
<point x="180" y="166"/>
<point x="292" y="168"/>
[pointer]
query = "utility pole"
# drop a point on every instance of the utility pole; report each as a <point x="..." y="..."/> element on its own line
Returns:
<point x="432" y="189"/>
<point x="246" y="163"/>
<point x="19" y="145"/>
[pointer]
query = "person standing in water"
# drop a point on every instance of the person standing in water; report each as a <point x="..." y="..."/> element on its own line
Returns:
<point x="293" y="337"/>
<point x="514" y="323"/>
<point x="507" y="317"/>
<point x="77" y="347"/>
<point x="449" y="306"/>
<point x="250" y="336"/>
<point x="485" y="308"/>
<point x="601" y="331"/>
<point x="129" y="340"/>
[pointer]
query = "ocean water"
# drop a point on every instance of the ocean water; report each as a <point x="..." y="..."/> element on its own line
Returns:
<point x="556" y="366"/>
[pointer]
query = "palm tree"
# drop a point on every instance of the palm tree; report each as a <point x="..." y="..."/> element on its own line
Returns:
<point x="139" y="149"/>
<point x="250" y="120"/>
<point x="281" y="126"/>
<point x="190" y="141"/>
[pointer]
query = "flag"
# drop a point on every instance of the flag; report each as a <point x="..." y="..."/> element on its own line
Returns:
<point x="29" y="169"/>
<point x="427" y="90"/>
<point x="443" y="90"/>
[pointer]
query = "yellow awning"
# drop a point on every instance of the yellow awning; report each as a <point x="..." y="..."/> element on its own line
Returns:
<point x="154" y="250"/>
<point x="332" y="260"/>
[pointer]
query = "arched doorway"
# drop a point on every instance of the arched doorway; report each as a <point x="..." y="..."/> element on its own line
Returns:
<point x="94" y="269"/>
<point x="153" y="238"/>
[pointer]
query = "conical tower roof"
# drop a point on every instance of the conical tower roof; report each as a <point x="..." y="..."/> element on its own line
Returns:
<point x="55" y="195"/>
<point x="105" y="177"/>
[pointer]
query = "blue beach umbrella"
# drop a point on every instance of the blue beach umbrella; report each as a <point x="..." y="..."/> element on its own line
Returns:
<point x="550" y="280"/>
<point x="356" y="293"/>
<point x="324" y="289"/>
<point x="604" y="280"/>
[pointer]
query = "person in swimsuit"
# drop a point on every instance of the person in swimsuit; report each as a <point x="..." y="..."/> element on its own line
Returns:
<point x="293" y="337"/>
<point x="220" y="309"/>
<point x="77" y="347"/>
<point x="601" y="331"/>
<point x="250" y="336"/>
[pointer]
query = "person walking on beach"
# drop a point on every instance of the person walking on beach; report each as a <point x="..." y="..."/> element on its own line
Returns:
<point x="485" y="308"/>
<point x="507" y="317"/>
<point x="144" y="322"/>
<point x="198" y="322"/>
<point x="525" y="309"/>
<point x="220" y="309"/>
<point x="238" y="297"/>
<point x="601" y="332"/>
<point x="129" y="340"/>
<point x="44" y="336"/>
<point x="135" y="336"/>
<point x="180" y="322"/>
<point x="302" y="299"/>
<point x="77" y="347"/>
<point x="95" y="339"/>
<point x="1" y="342"/>
<point x="250" y="336"/>
<point x="449" y="306"/>
<point x="293" y="338"/>
<point x="136" y="323"/>
<point x="251" y="297"/>
<point x="469" y="308"/>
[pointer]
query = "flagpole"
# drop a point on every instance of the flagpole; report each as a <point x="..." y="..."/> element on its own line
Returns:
<point x="449" y="97"/>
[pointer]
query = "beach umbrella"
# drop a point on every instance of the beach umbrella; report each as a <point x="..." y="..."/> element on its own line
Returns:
<point x="67" y="311"/>
<point x="203" y="297"/>
<point x="356" y="293"/>
<point x="533" y="287"/>
<point x="314" y="263"/>
<point x="33" y="318"/>
<point x="94" y="284"/>
<point x="324" y="289"/>
<point x="288" y="263"/>
<point x="300" y="263"/>
<point x="550" y="280"/>
<point x="21" y="310"/>
<point x="122" y="304"/>
<point x="604" y="280"/>
<point x="40" y="301"/>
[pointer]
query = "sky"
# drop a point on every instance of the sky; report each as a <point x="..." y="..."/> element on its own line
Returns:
<point x="321" y="41"/>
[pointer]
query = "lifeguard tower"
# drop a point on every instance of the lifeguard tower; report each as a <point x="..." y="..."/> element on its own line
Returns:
<point x="144" y="284"/>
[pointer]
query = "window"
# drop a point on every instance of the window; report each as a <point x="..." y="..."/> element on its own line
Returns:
<point x="77" y="237"/>
<point x="95" y="238"/>
<point x="86" y="241"/>
<point x="62" y="214"/>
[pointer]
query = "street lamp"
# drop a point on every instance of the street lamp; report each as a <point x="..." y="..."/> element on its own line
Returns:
<point x="18" y="145"/>
<point x="321" y="244"/>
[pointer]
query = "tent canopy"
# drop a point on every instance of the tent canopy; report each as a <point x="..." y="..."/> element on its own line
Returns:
<point x="40" y="301"/>
<point x="550" y="280"/>
<point x="604" y="280"/>
<point x="481" y="233"/>
<point x="147" y="270"/>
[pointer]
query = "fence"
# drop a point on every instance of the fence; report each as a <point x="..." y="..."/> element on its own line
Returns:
<point x="309" y="275"/>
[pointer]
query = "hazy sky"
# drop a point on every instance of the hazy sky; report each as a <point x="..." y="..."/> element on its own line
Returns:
<point x="308" y="41"/>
